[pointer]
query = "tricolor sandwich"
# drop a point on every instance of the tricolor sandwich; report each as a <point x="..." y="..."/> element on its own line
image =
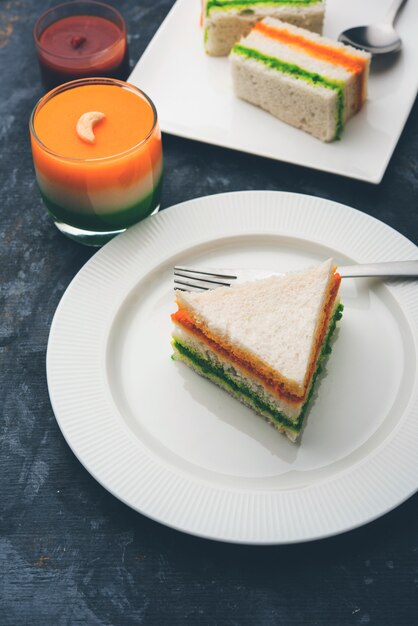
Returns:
<point x="308" y="81"/>
<point x="262" y="341"/>
<point x="226" y="21"/>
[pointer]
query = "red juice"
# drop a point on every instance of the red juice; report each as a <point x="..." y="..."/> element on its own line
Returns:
<point x="80" y="46"/>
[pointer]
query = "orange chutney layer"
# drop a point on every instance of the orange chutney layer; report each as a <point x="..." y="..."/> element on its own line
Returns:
<point x="129" y="120"/>
<point x="350" y="62"/>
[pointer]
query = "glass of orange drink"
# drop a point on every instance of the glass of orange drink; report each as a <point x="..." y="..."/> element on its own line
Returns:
<point x="96" y="147"/>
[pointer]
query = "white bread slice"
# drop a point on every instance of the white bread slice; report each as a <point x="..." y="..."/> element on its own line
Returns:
<point x="273" y="325"/>
<point x="225" y="25"/>
<point x="303" y="85"/>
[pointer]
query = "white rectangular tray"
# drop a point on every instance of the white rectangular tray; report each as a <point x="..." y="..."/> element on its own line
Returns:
<point x="194" y="97"/>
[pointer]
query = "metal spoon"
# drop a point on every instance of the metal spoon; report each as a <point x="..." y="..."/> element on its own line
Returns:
<point x="379" y="38"/>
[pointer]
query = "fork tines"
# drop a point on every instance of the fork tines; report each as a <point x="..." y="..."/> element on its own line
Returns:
<point x="188" y="278"/>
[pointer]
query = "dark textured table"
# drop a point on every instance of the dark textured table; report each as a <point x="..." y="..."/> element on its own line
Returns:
<point x="71" y="553"/>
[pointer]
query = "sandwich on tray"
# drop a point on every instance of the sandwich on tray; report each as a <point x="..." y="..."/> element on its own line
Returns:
<point x="262" y="341"/>
<point x="308" y="81"/>
<point x="226" y="21"/>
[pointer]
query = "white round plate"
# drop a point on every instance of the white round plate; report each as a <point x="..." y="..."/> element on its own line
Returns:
<point x="177" y="448"/>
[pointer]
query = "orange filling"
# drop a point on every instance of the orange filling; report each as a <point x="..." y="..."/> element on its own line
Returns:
<point x="350" y="62"/>
<point x="182" y="318"/>
<point x="318" y="50"/>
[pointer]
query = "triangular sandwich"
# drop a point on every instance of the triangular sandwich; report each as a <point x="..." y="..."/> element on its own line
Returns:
<point x="262" y="341"/>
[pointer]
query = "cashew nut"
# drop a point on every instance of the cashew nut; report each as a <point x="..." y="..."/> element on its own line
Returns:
<point x="85" y="125"/>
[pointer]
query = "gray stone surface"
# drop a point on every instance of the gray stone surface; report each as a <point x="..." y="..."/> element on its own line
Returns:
<point x="70" y="553"/>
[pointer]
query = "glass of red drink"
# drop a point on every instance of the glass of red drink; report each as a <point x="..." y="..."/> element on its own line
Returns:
<point x="80" y="40"/>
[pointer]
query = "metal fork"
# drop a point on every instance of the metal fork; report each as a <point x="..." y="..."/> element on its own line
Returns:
<point x="203" y="279"/>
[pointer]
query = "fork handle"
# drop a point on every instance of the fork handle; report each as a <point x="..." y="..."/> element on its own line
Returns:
<point x="395" y="268"/>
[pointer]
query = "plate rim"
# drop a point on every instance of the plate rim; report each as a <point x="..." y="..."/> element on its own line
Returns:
<point x="155" y="223"/>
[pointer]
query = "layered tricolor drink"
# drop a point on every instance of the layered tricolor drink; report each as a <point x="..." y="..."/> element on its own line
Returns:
<point x="97" y="153"/>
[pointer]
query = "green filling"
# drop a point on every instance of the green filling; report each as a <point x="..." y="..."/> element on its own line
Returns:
<point x="224" y="5"/>
<point x="212" y="371"/>
<point x="122" y="218"/>
<point x="300" y="73"/>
